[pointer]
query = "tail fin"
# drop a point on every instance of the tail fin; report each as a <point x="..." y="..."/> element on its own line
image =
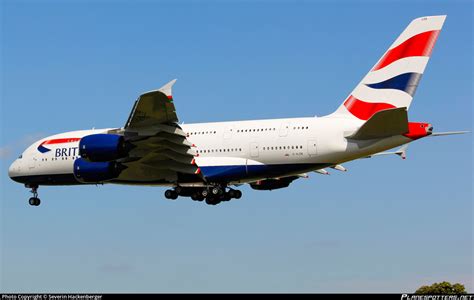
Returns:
<point x="392" y="82"/>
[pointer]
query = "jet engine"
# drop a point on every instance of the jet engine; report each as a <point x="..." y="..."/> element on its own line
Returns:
<point x="103" y="147"/>
<point x="87" y="171"/>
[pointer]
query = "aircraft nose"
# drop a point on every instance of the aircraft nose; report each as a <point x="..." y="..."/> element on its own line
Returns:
<point x="13" y="170"/>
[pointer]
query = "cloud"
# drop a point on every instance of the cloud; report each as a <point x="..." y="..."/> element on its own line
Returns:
<point x="15" y="147"/>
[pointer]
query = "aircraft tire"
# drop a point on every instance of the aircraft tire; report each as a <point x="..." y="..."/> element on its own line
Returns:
<point x="34" y="201"/>
<point x="237" y="194"/>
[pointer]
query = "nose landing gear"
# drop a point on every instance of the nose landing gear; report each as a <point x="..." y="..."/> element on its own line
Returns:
<point x="34" y="201"/>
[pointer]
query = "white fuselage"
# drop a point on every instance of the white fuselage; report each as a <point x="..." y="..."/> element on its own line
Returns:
<point x="306" y="144"/>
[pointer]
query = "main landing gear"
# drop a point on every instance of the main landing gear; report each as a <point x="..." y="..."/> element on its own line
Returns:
<point x="212" y="194"/>
<point x="171" y="194"/>
<point x="34" y="201"/>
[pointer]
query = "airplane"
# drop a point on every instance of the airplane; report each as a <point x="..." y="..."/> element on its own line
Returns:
<point x="208" y="161"/>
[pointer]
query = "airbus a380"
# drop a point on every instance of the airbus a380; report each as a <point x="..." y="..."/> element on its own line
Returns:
<point x="207" y="161"/>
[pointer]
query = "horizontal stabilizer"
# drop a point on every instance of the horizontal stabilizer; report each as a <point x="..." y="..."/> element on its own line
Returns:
<point x="448" y="133"/>
<point x="383" y="124"/>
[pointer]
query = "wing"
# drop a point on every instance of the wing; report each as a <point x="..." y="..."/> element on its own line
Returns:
<point x="152" y="108"/>
<point x="161" y="153"/>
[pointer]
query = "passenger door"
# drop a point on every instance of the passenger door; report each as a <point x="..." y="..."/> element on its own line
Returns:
<point x="254" y="149"/>
<point x="228" y="132"/>
<point x="312" y="147"/>
<point x="284" y="129"/>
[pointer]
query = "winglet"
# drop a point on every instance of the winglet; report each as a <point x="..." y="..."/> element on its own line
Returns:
<point x="166" y="89"/>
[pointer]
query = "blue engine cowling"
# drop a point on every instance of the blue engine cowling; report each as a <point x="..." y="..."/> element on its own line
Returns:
<point x="86" y="171"/>
<point x="103" y="147"/>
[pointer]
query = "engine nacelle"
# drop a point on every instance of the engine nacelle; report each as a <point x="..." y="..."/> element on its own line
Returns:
<point x="87" y="171"/>
<point x="103" y="147"/>
<point x="273" y="184"/>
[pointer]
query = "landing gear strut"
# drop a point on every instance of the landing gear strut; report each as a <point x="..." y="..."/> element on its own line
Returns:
<point x="34" y="201"/>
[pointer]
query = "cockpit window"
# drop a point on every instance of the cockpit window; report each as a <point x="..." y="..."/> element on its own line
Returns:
<point x="21" y="155"/>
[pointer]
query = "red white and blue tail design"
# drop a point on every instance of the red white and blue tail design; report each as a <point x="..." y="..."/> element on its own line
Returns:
<point x="392" y="82"/>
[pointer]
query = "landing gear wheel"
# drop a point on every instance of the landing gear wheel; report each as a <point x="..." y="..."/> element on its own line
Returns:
<point x="34" y="201"/>
<point x="170" y="194"/>
<point x="174" y="196"/>
<point x="237" y="194"/>
<point x="205" y="193"/>
<point x="212" y="200"/>
<point x="217" y="191"/>
<point x="197" y="196"/>
<point x="226" y="197"/>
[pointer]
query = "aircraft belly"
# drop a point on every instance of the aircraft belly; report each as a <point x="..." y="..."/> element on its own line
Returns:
<point x="243" y="172"/>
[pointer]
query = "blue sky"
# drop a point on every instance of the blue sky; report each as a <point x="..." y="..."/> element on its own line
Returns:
<point x="387" y="225"/>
